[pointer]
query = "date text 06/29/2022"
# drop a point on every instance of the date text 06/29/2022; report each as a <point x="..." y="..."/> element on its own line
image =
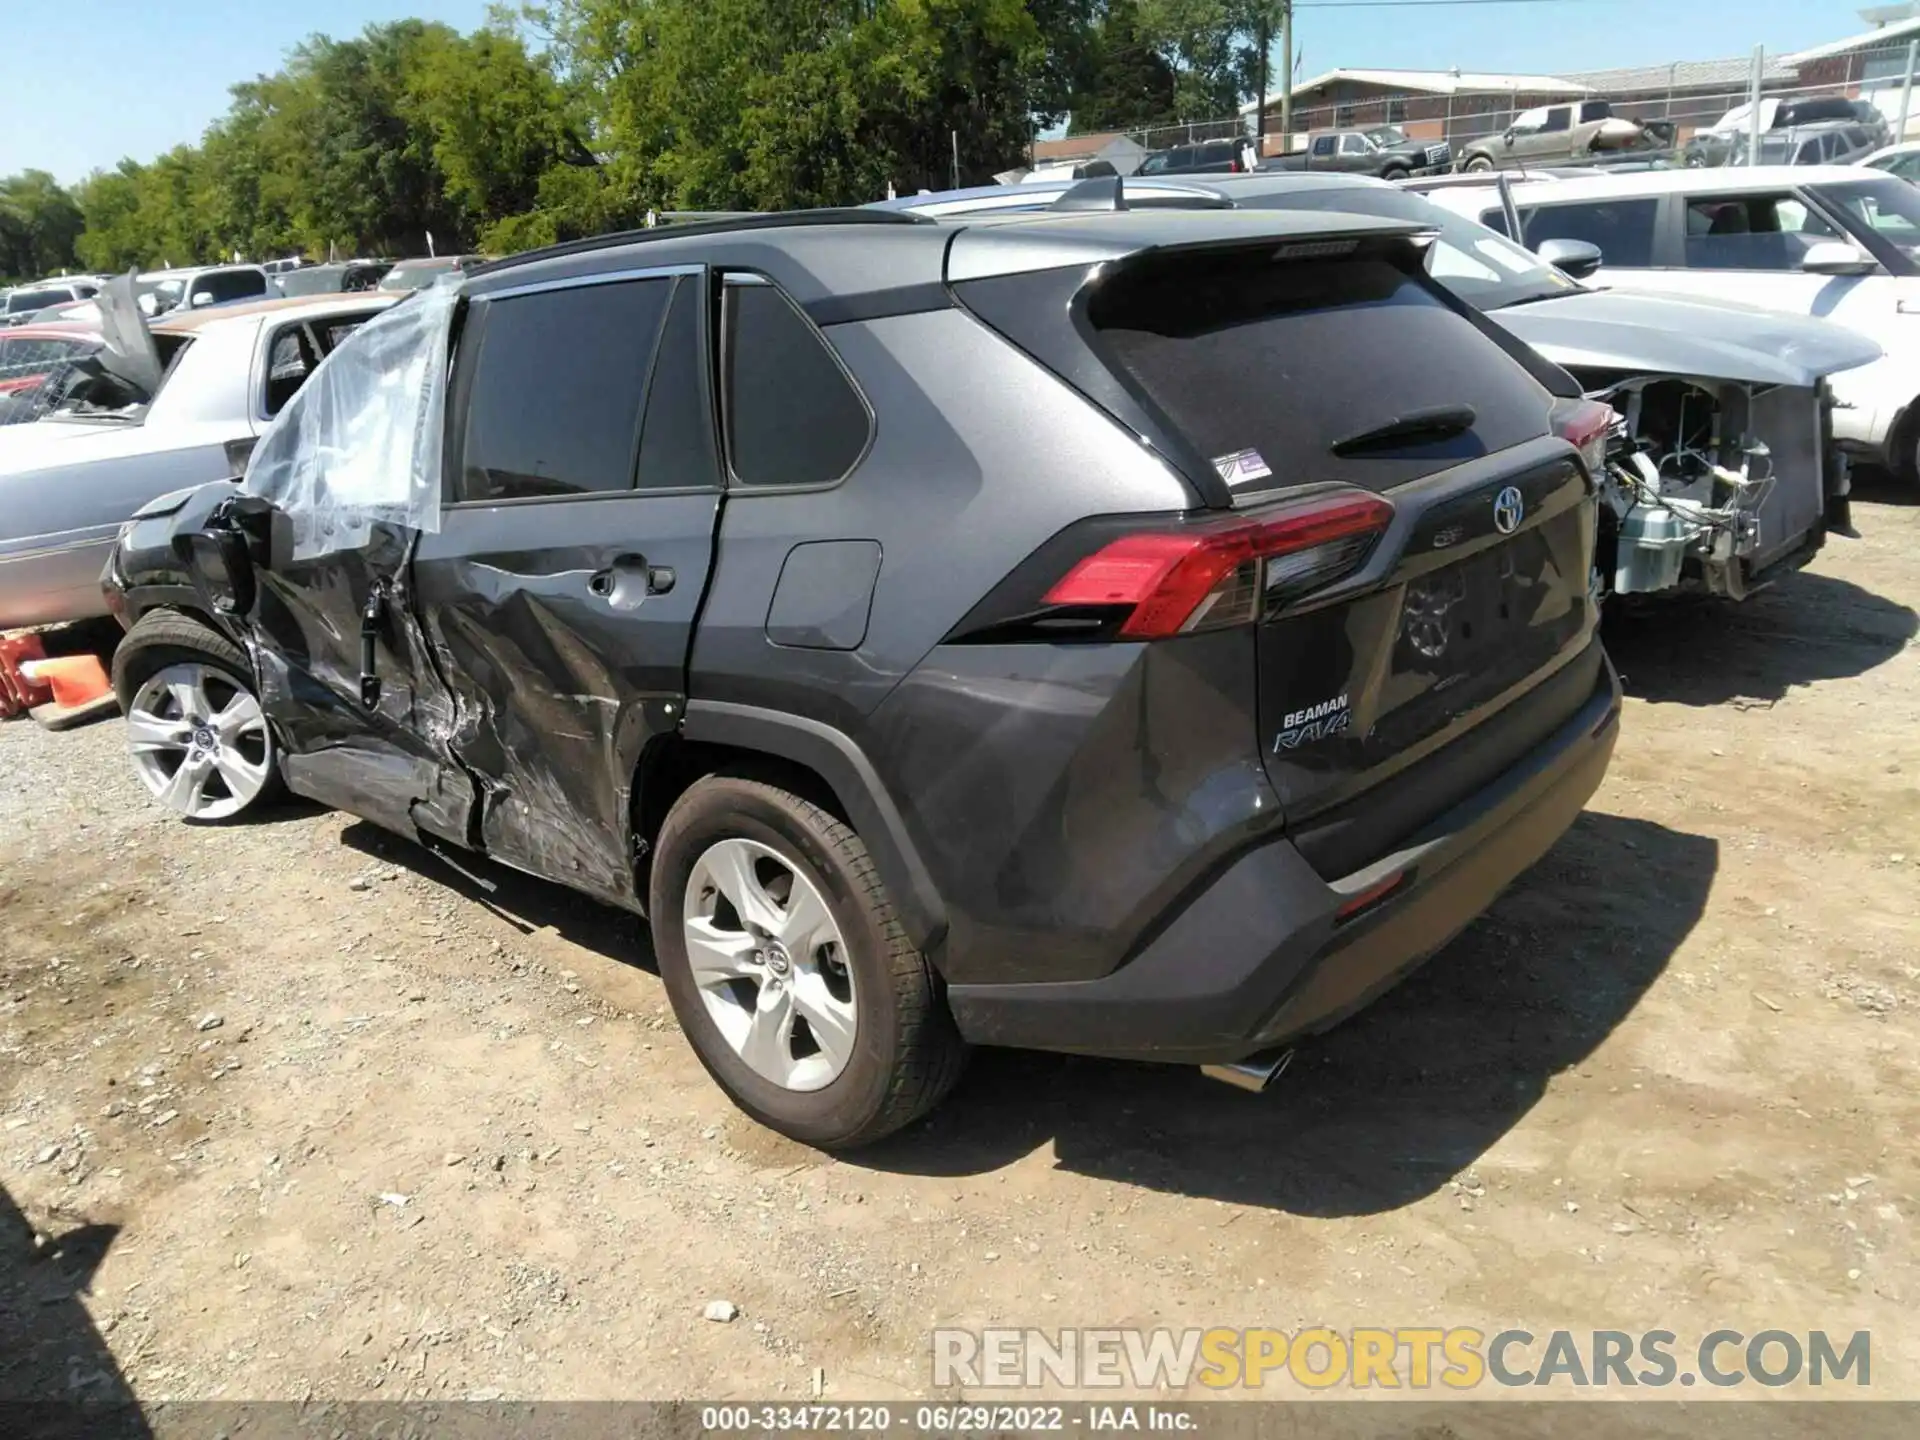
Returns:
<point x="961" y="1418"/>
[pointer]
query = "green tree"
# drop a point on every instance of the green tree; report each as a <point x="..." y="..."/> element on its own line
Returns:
<point x="39" y="226"/>
<point x="715" y="104"/>
<point x="1124" y="83"/>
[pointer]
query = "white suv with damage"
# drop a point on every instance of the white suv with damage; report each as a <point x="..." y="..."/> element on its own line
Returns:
<point x="1840" y="243"/>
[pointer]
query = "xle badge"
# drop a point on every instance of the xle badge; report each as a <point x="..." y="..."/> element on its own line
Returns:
<point x="1315" y="722"/>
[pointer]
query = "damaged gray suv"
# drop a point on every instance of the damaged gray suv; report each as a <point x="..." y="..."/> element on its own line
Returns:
<point x="1133" y="634"/>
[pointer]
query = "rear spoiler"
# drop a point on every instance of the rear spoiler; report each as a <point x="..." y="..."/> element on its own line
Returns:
<point x="1087" y="235"/>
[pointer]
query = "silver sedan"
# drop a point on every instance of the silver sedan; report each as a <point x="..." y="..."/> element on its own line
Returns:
<point x="70" y="480"/>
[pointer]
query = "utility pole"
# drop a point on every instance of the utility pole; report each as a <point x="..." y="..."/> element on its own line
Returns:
<point x="1260" y="114"/>
<point x="1906" y="90"/>
<point x="1753" y="101"/>
<point x="1286" y="75"/>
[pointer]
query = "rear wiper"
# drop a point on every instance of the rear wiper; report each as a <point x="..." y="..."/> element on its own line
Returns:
<point x="1436" y="422"/>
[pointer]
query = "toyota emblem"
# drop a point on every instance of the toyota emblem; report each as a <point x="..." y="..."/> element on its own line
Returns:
<point x="1509" y="509"/>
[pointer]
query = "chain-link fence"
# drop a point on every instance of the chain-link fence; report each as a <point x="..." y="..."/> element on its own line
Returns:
<point x="37" y="369"/>
<point x="1863" y="100"/>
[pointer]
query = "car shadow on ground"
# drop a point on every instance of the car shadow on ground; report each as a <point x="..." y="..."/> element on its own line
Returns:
<point x="58" y="1378"/>
<point x="527" y="904"/>
<point x="1805" y="628"/>
<point x="1374" y="1115"/>
<point x="1383" y="1110"/>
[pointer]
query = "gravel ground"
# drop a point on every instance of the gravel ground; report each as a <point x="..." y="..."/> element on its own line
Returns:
<point x="288" y="1109"/>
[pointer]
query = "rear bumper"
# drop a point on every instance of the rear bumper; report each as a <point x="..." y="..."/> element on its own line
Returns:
<point x="1260" y="957"/>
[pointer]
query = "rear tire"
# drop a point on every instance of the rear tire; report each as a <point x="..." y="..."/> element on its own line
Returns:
<point x="195" y="730"/>
<point x="1903" y="451"/>
<point x="823" y="1082"/>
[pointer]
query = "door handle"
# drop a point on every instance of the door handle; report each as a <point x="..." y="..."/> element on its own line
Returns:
<point x="629" y="580"/>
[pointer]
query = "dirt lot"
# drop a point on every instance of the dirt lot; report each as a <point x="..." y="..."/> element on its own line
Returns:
<point x="297" y="1111"/>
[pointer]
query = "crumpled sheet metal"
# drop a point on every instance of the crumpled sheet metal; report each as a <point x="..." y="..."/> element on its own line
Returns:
<point x="360" y="443"/>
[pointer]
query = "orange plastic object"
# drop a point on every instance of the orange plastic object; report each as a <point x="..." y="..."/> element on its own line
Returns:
<point x="17" y="692"/>
<point x="76" y="679"/>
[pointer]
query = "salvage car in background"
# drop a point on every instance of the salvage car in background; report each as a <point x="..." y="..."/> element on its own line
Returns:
<point x="1720" y="142"/>
<point x="1232" y="156"/>
<point x="424" y="270"/>
<point x="1722" y="474"/>
<point x="332" y="278"/>
<point x="146" y="413"/>
<point x="160" y="292"/>
<point x="1382" y="151"/>
<point x="1838" y="142"/>
<point x="1838" y="242"/>
<point x="23" y="302"/>
<point x="777" y="581"/>
<point x="1550" y="134"/>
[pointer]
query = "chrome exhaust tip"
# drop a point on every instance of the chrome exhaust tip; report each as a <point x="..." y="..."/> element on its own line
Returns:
<point x="1253" y="1074"/>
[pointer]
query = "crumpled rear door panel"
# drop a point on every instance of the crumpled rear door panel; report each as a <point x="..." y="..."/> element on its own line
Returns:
<point x="564" y="664"/>
<point x="390" y="763"/>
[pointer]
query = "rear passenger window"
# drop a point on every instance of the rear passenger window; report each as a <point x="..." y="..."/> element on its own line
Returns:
<point x="1752" y="232"/>
<point x="676" y="440"/>
<point x="1623" y="229"/>
<point x="554" y="403"/>
<point x="793" y="416"/>
<point x="1297" y="366"/>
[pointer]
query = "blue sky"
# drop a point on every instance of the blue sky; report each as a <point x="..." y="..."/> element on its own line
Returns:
<point x="132" y="77"/>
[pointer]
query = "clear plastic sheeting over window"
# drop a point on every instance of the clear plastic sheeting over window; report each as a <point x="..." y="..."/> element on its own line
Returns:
<point x="360" y="443"/>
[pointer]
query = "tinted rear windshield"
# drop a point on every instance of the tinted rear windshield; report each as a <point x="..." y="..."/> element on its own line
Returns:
<point x="22" y="302"/>
<point x="1271" y="366"/>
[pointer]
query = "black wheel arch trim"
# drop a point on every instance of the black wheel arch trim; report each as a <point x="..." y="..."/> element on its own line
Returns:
<point x="143" y="600"/>
<point x="838" y="760"/>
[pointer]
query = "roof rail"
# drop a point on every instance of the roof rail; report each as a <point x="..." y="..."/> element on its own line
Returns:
<point x="774" y="220"/>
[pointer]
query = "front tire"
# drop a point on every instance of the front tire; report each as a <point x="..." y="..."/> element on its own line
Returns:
<point x="198" y="738"/>
<point x="1478" y="164"/>
<point x="1393" y="174"/>
<point x="789" y="971"/>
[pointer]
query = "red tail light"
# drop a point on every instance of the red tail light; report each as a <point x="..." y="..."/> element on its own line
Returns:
<point x="1226" y="572"/>
<point x="1584" y="425"/>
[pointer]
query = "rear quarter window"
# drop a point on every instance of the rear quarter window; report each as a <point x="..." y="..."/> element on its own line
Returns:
<point x="1290" y="358"/>
<point x="792" y="415"/>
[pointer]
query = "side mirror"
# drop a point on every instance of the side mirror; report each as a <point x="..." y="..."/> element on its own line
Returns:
<point x="1837" y="257"/>
<point x="1576" y="258"/>
<point x="201" y="297"/>
<point x="1507" y="139"/>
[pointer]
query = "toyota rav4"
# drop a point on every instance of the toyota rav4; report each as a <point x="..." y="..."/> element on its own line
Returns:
<point x="1141" y="634"/>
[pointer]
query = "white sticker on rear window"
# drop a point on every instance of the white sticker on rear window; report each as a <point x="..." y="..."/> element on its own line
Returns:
<point x="1241" y="466"/>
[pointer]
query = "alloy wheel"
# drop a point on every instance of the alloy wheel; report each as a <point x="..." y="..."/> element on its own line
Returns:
<point x="770" y="964"/>
<point x="199" y="741"/>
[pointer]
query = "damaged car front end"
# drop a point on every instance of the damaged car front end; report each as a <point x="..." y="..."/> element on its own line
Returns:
<point x="1722" y="472"/>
